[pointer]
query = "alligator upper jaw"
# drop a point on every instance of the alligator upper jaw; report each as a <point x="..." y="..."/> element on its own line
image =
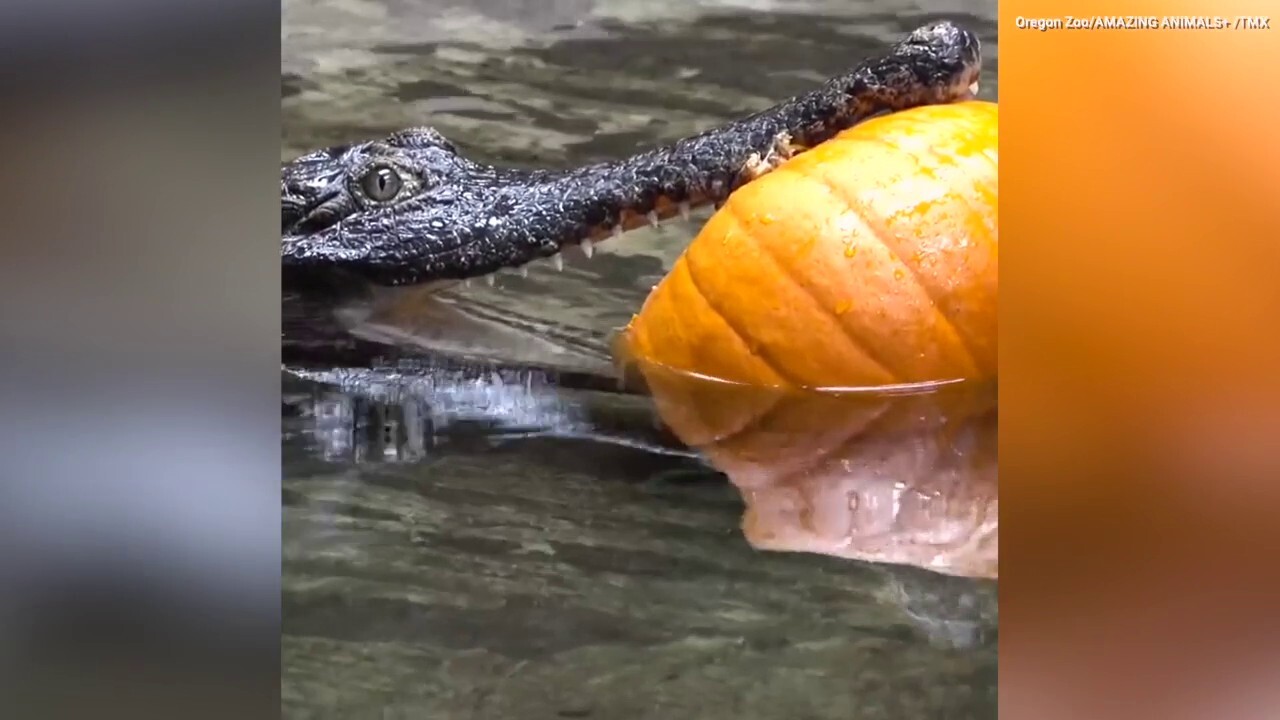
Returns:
<point x="348" y="282"/>
<point x="663" y="214"/>
<point x="353" y="277"/>
<point x="660" y="219"/>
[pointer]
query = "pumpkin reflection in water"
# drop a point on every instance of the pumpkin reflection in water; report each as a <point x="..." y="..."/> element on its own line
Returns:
<point x="868" y="262"/>
<point x="897" y="475"/>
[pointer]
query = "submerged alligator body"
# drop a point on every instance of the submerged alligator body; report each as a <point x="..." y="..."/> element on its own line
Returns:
<point x="409" y="209"/>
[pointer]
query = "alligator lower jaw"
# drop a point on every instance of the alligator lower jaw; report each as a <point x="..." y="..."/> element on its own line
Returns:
<point x="418" y="318"/>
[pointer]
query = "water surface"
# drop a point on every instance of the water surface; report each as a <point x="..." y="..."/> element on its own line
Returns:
<point x="471" y="541"/>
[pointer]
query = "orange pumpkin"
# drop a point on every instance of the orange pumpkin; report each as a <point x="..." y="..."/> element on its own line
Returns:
<point x="868" y="260"/>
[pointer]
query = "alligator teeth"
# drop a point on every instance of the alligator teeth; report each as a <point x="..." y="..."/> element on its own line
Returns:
<point x="653" y="218"/>
<point x="491" y="280"/>
<point x="973" y="87"/>
<point x="524" y="271"/>
<point x="587" y="248"/>
<point x="558" y="262"/>
<point x="684" y="211"/>
<point x="466" y="283"/>
<point x="617" y="231"/>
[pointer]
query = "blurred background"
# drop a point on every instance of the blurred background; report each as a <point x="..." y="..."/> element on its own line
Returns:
<point x="140" y="338"/>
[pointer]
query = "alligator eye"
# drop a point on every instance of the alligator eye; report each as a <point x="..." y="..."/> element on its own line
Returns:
<point x="381" y="184"/>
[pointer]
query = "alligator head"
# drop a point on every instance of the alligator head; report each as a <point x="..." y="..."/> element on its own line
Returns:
<point x="410" y="209"/>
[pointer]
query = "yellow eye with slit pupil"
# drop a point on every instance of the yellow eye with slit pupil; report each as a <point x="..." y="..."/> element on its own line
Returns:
<point x="381" y="184"/>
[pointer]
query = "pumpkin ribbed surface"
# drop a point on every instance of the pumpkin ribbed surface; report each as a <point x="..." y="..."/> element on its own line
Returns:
<point x="868" y="260"/>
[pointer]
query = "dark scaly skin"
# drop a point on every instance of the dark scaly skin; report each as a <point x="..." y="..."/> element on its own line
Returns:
<point x="454" y="219"/>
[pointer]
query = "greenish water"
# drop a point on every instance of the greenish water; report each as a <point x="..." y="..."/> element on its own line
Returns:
<point x="475" y="542"/>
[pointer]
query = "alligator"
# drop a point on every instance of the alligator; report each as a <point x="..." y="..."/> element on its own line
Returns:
<point x="410" y="212"/>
